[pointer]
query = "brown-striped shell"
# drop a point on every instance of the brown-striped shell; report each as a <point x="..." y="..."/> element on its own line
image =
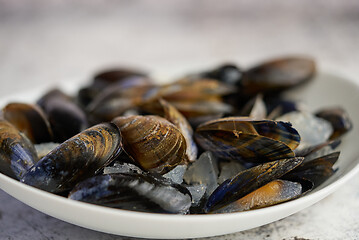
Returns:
<point x="165" y="109"/>
<point x="30" y="120"/>
<point x="249" y="180"/>
<point x="196" y="98"/>
<point x="76" y="159"/>
<point x="153" y="142"/>
<point x="272" y="193"/>
<point x="243" y="138"/>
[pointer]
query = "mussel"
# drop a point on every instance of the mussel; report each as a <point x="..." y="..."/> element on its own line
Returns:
<point x="113" y="101"/>
<point x="277" y="75"/>
<point x="103" y="79"/>
<point x="30" y="119"/>
<point x="249" y="180"/>
<point x="140" y="192"/>
<point x="65" y="117"/>
<point x="152" y="142"/>
<point x="272" y="193"/>
<point x="169" y="112"/>
<point x="197" y="98"/>
<point x="76" y="159"/>
<point x="248" y="140"/>
<point x="317" y="170"/>
<point x="17" y="153"/>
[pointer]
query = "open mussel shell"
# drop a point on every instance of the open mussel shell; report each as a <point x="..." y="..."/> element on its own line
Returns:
<point x="249" y="180"/>
<point x="17" y="153"/>
<point x="76" y="159"/>
<point x="317" y="170"/>
<point x="272" y="193"/>
<point x="65" y="117"/>
<point x="139" y="192"/>
<point x="339" y="120"/>
<point x="30" y="120"/>
<point x="152" y="142"/>
<point x="277" y="75"/>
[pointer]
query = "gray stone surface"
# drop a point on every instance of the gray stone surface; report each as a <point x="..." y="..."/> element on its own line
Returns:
<point x="46" y="42"/>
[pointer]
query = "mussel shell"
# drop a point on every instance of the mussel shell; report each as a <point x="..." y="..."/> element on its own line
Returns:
<point x="248" y="181"/>
<point x="65" y="117"/>
<point x="317" y="170"/>
<point x="153" y="142"/>
<point x="17" y="153"/>
<point x="339" y="119"/>
<point x="113" y="101"/>
<point x="193" y="98"/>
<point x="276" y="130"/>
<point x="169" y="112"/>
<point x="243" y="147"/>
<point x="202" y="109"/>
<point x="194" y="90"/>
<point x="277" y="75"/>
<point x="110" y="76"/>
<point x="196" y="98"/>
<point x="76" y="159"/>
<point x="30" y="120"/>
<point x="272" y="193"/>
<point x="140" y="192"/>
<point x="120" y="77"/>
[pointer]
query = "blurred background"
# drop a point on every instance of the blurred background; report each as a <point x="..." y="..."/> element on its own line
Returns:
<point x="47" y="42"/>
<point x="42" y="42"/>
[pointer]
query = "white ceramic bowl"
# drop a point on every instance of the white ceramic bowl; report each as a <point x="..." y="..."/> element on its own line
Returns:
<point x="325" y="90"/>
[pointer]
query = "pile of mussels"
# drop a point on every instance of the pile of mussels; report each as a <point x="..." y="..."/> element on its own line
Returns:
<point x="218" y="141"/>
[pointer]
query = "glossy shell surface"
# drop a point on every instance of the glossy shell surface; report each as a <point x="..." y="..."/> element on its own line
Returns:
<point x="76" y="159"/>
<point x="248" y="140"/>
<point x="249" y="180"/>
<point x="279" y="74"/>
<point x="153" y="142"/>
<point x="17" y="153"/>
<point x="29" y="119"/>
